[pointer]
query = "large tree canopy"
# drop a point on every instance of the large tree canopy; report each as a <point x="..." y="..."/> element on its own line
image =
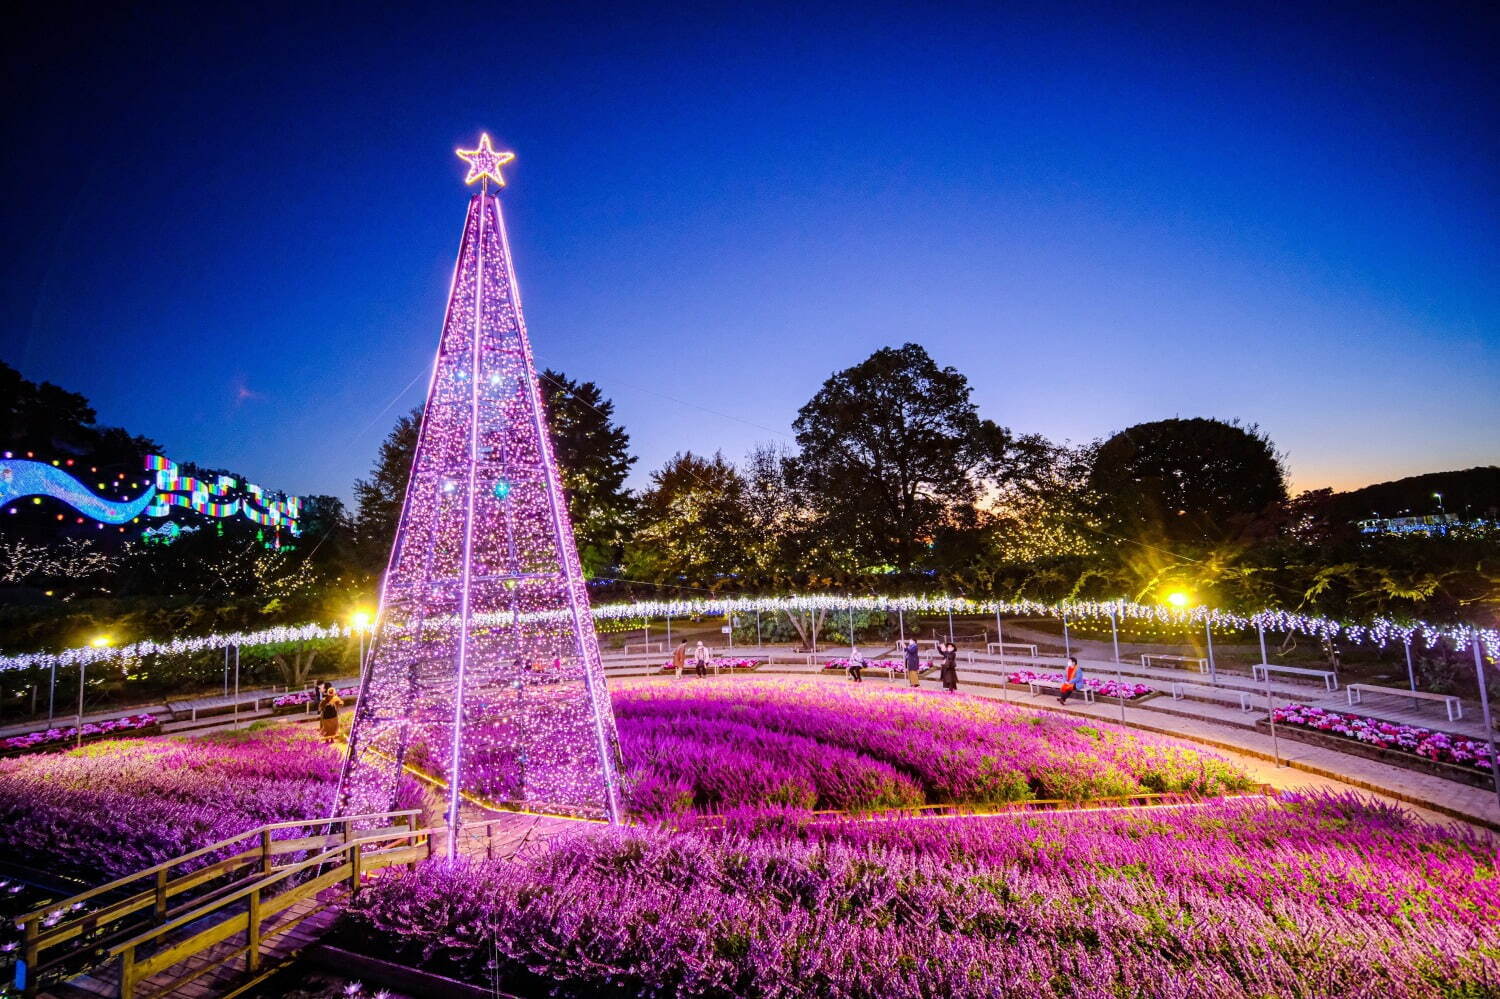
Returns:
<point x="694" y="526"/>
<point x="593" y="455"/>
<point x="1195" y="481"/>
<point x="893" y="451"/>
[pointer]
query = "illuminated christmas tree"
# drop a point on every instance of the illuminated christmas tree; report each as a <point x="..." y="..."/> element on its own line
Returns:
<point x="484" y="670"/>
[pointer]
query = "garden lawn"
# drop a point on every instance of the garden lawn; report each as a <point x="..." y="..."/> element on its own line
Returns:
<point x="701" y="747"/>
<point x="1306" y="896"/>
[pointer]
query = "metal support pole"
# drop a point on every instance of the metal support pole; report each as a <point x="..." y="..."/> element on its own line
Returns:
<point x="1271" y="715"/>
<point x="1114" y="634"/>
<point x="950" y="625"/>
<point x="82" y="667"/>
<point x="1260" y="630"/>
<point x="999" y="635"/>
<point x="1067" y="643"/>
<point x="851" y="629"/>
<point x="236" y="686"/>
<point x="901" y="625"/>
<point x="1484" y="705"/>
<point x="669" y="632"/>
<point x="757" y="628"/>
<point x="1411" y="674"/>
<point x="226" y="671"/>
<point x="52" y="692"/>
<point x="730" y="617"/>
<point x="646" y="642"/>
<point x="1120" y="685"/>
<point x="1208" y="632"/>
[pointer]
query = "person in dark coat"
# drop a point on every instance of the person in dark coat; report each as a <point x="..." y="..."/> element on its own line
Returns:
<point x="913" y="658"/>
<point x="949" y="671"/>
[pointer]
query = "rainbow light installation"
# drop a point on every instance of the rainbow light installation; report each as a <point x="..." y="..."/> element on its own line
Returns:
<point x="485" y="669"/>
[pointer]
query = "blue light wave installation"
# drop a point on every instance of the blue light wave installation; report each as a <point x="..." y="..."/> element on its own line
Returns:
<point x="20" y="478"/>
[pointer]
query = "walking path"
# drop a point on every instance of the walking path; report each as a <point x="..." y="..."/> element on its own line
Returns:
<point x="1216" y="724"/>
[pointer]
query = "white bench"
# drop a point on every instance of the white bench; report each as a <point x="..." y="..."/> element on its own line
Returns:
<point x="990" y="647"/>
<point x="645" y="647"/>
<point x="1260" y="671"/>
<point x="1179" y="691"/>
<point x="1454" y="706"/>
<point x="1082" y="690"/>
<point x="1202" y="663"/>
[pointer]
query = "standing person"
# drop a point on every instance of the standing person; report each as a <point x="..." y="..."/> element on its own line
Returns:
<point x="700" y="659"/>
<point x="1072" y="677"/>
<point x="328" y="713"/>
<point x="679" y="658"/>
<point x="856" y="665"/>
<point x="913" y="662"/>
<point x="949" y="673"/>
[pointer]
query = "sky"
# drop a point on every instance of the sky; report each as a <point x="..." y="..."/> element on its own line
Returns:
<point x="234" y="233"/>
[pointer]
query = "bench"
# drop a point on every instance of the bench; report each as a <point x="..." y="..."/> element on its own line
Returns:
<point x="1261" y="671"/>
<point x="1454" y="706"/>
<point x="1202" y="663"/>
<point x="990" y="647"/>
<point x="1082" y="690"/>
<point x="645" y="647"/>
<point x="1179" y="691"/>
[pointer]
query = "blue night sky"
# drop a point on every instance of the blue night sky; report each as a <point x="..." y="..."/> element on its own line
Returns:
<point x="235" y="236"/>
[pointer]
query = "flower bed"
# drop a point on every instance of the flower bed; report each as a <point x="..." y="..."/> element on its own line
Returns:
<point x="1439" y="747"/>
<point x="287" y="703"/>
<point x="724" y="664"/>
<point x="1102" y="688"/>
<point x="812" y="745"/>
<point x="115" y="807"/>
<point x="1309" y="896"/>
<point x="886" y="664"/>
<point x="61" y="738"/>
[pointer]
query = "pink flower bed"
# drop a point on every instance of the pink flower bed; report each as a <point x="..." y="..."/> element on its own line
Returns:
<point x="724" y="664"/>
<point x="299" y="697"/>
<point x="60" y="737"/>
<point x="843" y="664"/>
<point x="1103" y="688"/>
<point x="1442" y="747"/>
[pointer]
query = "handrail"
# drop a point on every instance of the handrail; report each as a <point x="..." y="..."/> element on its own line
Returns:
<point x="166" y="865"/>
<point x="263" y="883"/>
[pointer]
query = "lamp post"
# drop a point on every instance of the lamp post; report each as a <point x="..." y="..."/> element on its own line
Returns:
<point x="101" y="642"/>
<point x="361" y="624"/>
<point x="1067" y="643"/>
<point x="1484" y="705"/>
<point x="1260" y="630"/>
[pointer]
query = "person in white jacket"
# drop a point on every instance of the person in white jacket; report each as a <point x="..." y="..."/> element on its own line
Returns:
<point x="700" y="659"/>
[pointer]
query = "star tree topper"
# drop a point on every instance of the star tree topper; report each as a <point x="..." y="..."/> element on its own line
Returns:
<point x="484" y="162"/>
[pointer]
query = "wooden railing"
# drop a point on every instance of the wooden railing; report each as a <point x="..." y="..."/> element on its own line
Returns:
<point x="157" y="895"/>
<point x="250" y="911"/>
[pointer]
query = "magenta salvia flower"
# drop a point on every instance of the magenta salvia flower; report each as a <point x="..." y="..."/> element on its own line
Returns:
<point x="1104" y="688"/>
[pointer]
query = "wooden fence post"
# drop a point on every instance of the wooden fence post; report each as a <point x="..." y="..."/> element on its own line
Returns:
<point x="127" y="973"/>
<point x="265" y="851"/>
<point x="354" y="857"/>
<point x="160" y="909"/>
<point x="31" y="952"/>
<point x="252" y="934"/>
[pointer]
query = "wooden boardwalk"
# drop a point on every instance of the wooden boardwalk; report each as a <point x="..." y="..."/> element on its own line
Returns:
<point x="222" y="970"/>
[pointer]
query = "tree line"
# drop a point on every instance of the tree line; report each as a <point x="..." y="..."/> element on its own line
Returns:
<point x="893" y="482"/>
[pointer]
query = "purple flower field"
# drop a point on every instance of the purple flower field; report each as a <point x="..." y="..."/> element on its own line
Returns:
<point x="116" y="806"/>
<point x="812" y="745"/>
<point x="1304" y="896"/>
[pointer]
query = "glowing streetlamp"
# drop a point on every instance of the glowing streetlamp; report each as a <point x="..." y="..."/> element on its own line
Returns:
<point x="1179" y="599"/>
<point x="360" y="622"/>
<point x="98" y="642"/>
